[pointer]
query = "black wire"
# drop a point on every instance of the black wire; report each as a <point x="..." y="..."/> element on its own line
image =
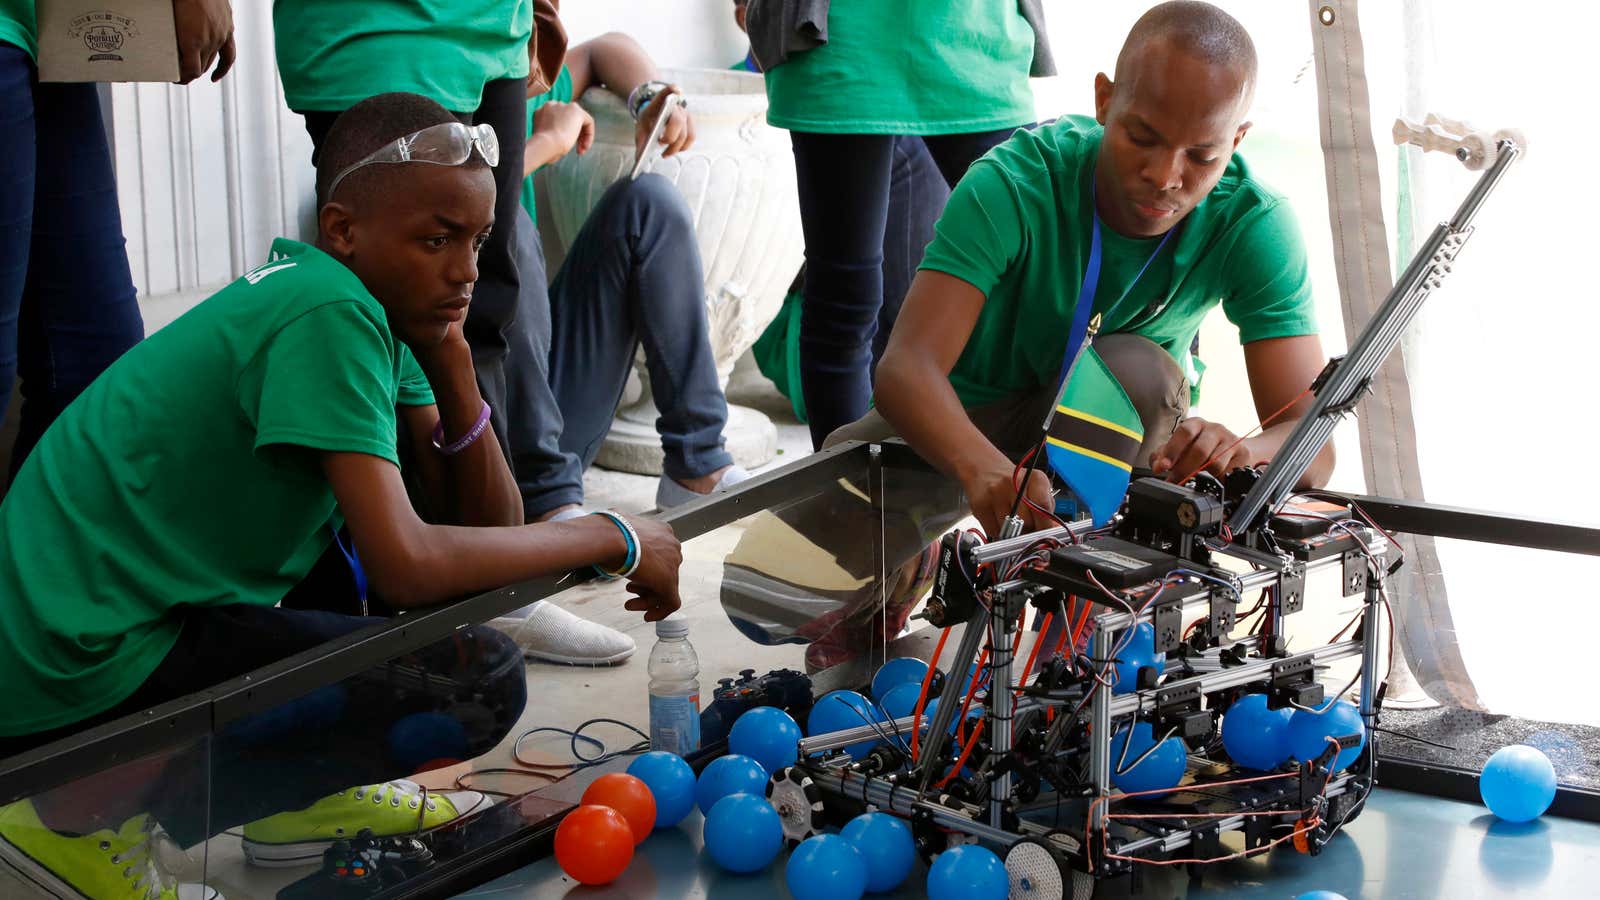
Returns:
<point x="1412" y="737"/>
<point x="1033" y="459"/>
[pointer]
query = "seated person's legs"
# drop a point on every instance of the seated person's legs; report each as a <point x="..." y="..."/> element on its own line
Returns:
<point x="632" y="276"/>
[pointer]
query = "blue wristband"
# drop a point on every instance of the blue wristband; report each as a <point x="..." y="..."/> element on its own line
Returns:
<point x="630" y="563"/>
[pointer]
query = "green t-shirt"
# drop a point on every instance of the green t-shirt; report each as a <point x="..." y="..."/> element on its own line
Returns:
<point x="1018" y="228"/>
<point x="18" y="25"/>
<point x="560" y="91"/>
<point x="333" y="55"/>
<point x="181" y="478"/>
<point x="909" y="67"/>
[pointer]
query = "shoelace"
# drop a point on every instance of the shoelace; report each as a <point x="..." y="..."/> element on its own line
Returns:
<point x="394" y="792"/>
<point x="150" y="878"/>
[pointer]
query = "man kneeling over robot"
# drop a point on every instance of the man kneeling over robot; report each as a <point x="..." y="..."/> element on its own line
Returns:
<point x="1142" y="220"/>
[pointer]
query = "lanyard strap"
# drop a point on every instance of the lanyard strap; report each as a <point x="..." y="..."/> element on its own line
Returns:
<point x="1091" y="283"/>
<point x="356" y="572"/>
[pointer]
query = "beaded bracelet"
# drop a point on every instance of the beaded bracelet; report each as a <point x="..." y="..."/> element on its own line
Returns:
<point x="630" y="563"/>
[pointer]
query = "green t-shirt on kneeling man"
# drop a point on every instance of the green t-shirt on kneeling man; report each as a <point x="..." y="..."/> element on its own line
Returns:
<point x="188" y="474"/>
<point x="1018" y="228"/>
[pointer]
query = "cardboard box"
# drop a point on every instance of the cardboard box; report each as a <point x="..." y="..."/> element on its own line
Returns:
<point x="107" y="40"/>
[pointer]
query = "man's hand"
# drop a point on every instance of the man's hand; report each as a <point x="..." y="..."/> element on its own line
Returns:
<point x="1192" y="447"/>
<point x="991" y="492"/>
<point x="678" y="132"/>
<point x="449" y="355"/>
<point x="568" y="125"/>
<point x="205" y="35"/>
<point x="655" y="583"/>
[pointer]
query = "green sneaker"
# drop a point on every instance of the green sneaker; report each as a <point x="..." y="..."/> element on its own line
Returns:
<point x="395" y="807"/>
<point x="105" y="865"/>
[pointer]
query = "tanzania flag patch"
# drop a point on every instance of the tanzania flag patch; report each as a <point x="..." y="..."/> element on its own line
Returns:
<point x="1093" y="437"/>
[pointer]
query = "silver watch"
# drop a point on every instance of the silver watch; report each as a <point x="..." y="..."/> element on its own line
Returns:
<point x="640" y="97"/>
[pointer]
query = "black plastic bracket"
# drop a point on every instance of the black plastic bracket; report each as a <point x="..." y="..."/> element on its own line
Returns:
<point x="1168" y="621"/>
<point x="1292" y="589"/>
<point x="1354" y="573"/>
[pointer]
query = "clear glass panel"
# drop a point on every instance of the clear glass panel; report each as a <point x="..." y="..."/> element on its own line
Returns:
<point x="134" y="830"/>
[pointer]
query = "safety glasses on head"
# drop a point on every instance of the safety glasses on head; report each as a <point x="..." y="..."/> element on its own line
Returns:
<point x="445" y="144"/>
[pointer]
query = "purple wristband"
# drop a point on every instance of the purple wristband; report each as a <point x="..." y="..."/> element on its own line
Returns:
<point x="473" y="434"/>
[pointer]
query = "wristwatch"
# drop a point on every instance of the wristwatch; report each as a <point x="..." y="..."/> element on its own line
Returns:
<point x="641" y="96"/>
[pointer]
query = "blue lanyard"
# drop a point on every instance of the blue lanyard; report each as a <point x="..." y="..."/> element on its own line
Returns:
<point x="356" y="572"/>
<point x="1091" y="283"/>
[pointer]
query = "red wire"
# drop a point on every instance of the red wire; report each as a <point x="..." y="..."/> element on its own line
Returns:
<point x="922" y="698"/>
<point x="972" y="688"/>
<point x="966" y="751"/>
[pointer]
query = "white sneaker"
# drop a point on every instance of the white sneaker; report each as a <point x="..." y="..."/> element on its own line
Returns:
<point x="670" y="493"/>
<point x="547" y="632"/>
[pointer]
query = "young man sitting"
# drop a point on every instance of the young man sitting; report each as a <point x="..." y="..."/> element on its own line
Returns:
<point x="146" y="542"/>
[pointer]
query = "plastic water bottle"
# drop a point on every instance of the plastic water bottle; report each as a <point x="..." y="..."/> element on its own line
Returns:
<point x="674" y="690"/>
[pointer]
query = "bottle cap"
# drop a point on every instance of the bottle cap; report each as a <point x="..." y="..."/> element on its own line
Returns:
<point x="672" y="627"/>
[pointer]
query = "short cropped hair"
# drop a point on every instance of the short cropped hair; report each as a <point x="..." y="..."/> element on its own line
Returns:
<point x="365" y="127"/>
<point x="1200" y="29"/>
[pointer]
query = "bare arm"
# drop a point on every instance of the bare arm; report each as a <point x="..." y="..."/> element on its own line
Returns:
<point x="412" y="563"/>
<point x="473" y="487"/>
<point x="914" y="394"/>
<point x="617" y="63"/>
<point x="1280" y="369"/>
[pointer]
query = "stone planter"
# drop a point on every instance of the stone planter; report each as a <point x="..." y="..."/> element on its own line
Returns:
<point x="739" y="182"/>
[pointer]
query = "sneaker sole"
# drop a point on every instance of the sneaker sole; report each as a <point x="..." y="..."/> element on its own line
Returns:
<point x="590" y="661"/>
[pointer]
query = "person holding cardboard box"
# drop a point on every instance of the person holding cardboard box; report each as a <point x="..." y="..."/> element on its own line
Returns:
<point x="67" y="302"/>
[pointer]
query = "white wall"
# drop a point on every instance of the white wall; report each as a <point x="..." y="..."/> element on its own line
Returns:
<point x="209" y="174"/>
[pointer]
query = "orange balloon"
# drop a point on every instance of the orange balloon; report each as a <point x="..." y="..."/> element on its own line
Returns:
<point x="594" y="844"/>
<point x="627" y="795"/>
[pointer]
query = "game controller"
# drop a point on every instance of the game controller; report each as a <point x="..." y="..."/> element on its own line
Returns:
<point x="784" y="688"/>
<point x="363" y="867"/>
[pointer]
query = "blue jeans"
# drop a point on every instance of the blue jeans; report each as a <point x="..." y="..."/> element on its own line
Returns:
<point x="67" y="303"/>
<point x="632" y="276"/>
<point x="845" y="182"/>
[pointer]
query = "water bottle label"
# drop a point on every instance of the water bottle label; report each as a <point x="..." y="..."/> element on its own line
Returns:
<point x="675" y="724"/>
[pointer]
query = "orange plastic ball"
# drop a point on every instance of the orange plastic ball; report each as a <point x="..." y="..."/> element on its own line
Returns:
<point x="627" y="795"/>
<point x="594" y="844"/>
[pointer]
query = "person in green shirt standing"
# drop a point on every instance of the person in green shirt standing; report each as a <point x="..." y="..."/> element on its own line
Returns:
<point x="1151" y="198"/>
<point x="67" y="302"/>
<point x="147" y="544"/>
<point x="955" y="73"/>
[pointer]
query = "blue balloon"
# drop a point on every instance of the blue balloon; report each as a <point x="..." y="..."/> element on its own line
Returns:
<point x="743" y="832"/>
<point x="1159" y="771"/>
<point x="1308" y="732"/>
<point x="732" y="774"/>
<point x="670" y="780"/>
<point x="826" y="867"/>
<point x="898" y="671"/>
<point x="1518" y="783"/>
<point x="1138" y="653"/>
<point x="422" y="737"/>
<point x="838" y="710"/>
<point x="1320" y="895"/>
<point x="887" y="847"/>
<point x="968" y="872"/>
<point x="1254" y="736"/>
<point x="767" y="735"/>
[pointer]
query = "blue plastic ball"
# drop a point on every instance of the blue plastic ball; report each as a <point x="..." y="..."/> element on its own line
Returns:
<point x="731" y="774"/>
<point x="902" y="670"/>
<point x="1308" y="732"/>
<point x="421" y="737"/>
<point x="887" y="847"/>
<point x="1159" y="771"/>
<point x="1254" y="736"/>
<point x="826" y="867"/>
<point x="1320" y="895"/>
<point x="1138" y="653"/>
<point x="1518" y="783"/>
<point x="968" y="872"/>
<point x="743" y="832"/>
<point x="901" y="701"/>
<point x="838" y="710"/>
<point x="671" y="781"/>
<point x="767" y="735"/>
